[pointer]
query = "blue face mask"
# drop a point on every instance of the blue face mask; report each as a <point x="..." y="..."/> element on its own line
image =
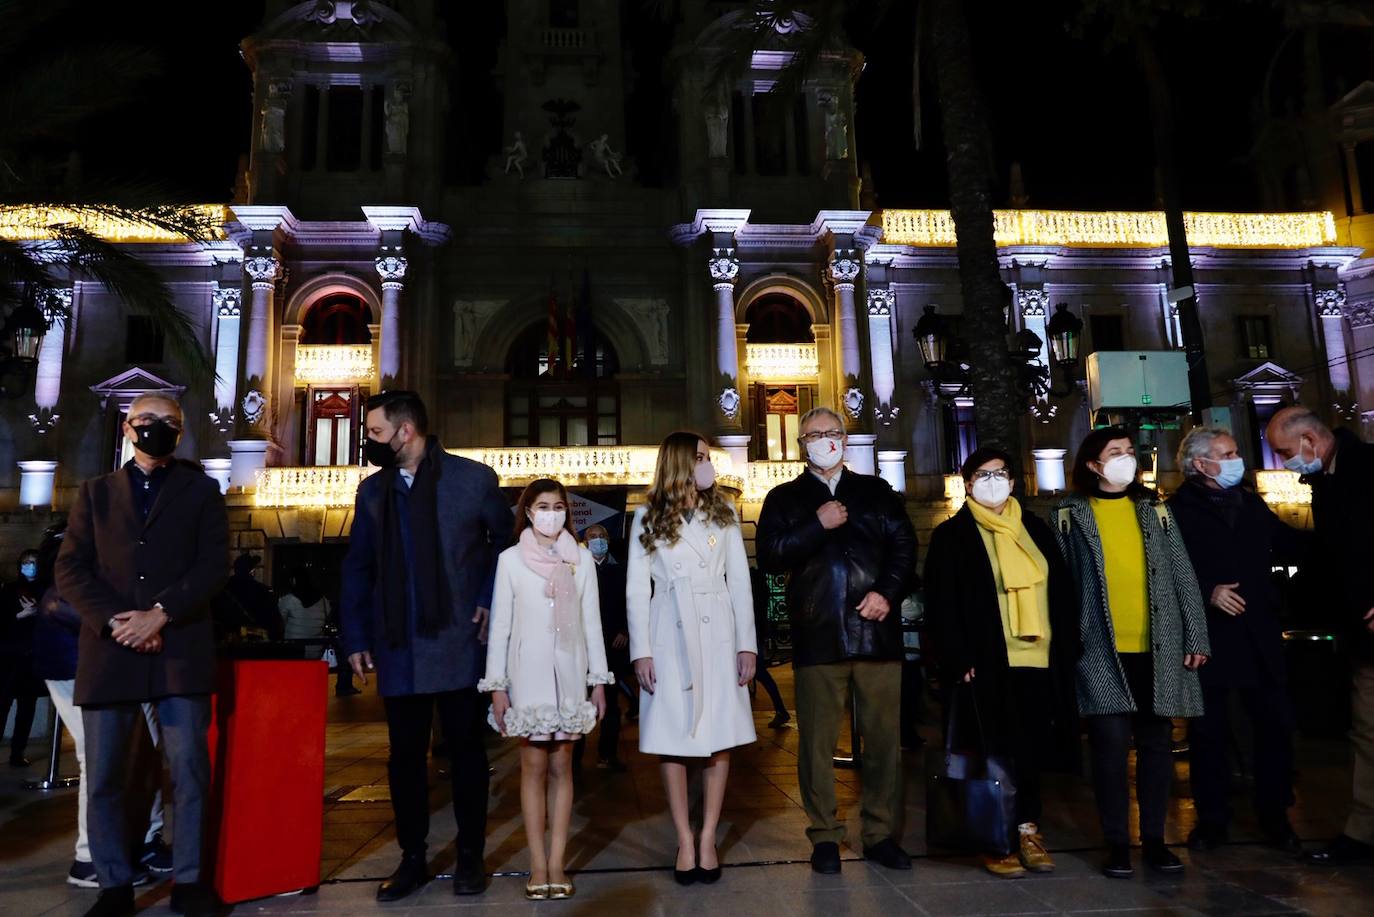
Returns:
<point x="29" y="571"/>
<point x="1231" y="471"/>
<point x="599" y="547"/>
<point x="1296" y="463"/>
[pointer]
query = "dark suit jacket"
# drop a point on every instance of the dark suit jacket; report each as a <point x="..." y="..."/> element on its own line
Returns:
<point x="474" y="527"/>
<point x="113" y="561"/>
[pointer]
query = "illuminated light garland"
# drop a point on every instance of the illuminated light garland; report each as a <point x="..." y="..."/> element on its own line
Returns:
<point x="319" y="486"/>
<point x="764" y="476"/>
<point x="1277" y="486"/>
<point x="781" y="362"/>
<point x="33" y="223"/>
<point x="1138" y="229"/>
<point x="333" y="363"/>
<point x="955" y="491"/>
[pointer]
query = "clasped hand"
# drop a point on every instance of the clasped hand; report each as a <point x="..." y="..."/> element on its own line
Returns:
<point x="140" y="631"/>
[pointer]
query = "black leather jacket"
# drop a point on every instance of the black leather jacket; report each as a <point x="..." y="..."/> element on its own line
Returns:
<point x="831" y="571"/>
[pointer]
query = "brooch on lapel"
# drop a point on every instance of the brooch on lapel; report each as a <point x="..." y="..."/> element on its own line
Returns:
<point x="711" y="541"/>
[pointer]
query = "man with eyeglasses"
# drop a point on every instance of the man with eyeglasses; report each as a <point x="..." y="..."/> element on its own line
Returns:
<point x="850" y="550"/>
<point x="146" y="548"/>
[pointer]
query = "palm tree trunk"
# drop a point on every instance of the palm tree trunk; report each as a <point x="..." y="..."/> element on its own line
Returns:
<point x="968" y="157"/>
<point x="1162" y="121"/>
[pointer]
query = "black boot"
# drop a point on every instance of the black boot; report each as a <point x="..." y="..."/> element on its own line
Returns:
<point x="469" y="875"/>
<point x="113" y="902"/>
<point x="410" y="876"/>
<point x="1159" y="857"/>
<point x="1117" y="865"/>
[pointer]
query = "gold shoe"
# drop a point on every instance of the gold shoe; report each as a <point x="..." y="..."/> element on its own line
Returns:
<point x="1033" y="854"/>
<point x="537" y="892"/>
<point x="560" y="890"/>
<point x="1007" y="867"/>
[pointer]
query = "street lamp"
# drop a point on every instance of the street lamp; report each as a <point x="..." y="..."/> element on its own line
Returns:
<point x="23" y="331"/>
<point x="1065" y="330"/>
<point x="932" y="336"/>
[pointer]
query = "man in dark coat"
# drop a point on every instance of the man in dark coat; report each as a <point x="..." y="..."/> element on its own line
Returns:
<point x="850" y="548"/>
<point x="417" y="584"/>
<point x="615" y="629"/>
<point x="254" y="601"/>
<point x="1340" y="469"/>
<point x="146" y="548"/>
<point x="1234" y="540"/>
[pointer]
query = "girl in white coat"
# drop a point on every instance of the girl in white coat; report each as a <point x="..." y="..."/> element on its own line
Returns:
<point x="543" y="652"/>
<point x="691" y="616"/>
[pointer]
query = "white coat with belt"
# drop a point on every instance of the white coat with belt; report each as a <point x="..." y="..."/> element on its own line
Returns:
<point x="691" y="609"/>
<point x="547" y="686"/>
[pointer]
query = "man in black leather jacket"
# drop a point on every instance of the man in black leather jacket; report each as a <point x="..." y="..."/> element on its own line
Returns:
<point x="850" y="548"/>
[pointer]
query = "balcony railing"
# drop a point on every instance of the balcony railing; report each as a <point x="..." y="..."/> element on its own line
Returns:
<point x="340" y="364"/>
<point x="1277" y="486"/>
<point x="781" y="362"/>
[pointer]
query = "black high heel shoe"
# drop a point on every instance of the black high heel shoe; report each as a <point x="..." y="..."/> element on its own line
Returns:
<point x="685" y="876"/>
<point x="708" y="876"/>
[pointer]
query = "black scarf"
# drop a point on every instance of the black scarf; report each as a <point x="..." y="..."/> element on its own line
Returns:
<point x="431" y="584"/>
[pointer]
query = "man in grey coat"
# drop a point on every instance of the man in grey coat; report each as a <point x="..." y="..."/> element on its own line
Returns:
<point x="417" y="584"/>
<point x="146" y="548"/>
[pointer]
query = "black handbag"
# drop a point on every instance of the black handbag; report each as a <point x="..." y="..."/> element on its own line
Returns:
<point x="970" y="794"/>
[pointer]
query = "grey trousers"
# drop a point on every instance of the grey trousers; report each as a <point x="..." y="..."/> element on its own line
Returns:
<point x="109" y="729"/>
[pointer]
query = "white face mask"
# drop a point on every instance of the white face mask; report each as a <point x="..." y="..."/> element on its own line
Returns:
<point x="549" y="522"/>
<point x="704" y="475"/>
<point x="1119" y="470"/>
<point x="825" y="453"/>
<point x="991" y="493"/>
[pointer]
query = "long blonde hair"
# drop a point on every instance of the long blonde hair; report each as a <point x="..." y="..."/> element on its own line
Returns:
<point x="672" y="491"/>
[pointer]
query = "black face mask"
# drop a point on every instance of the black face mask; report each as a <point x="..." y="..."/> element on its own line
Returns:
<point x="157" y="439"/>
<point x="379" y="453"/>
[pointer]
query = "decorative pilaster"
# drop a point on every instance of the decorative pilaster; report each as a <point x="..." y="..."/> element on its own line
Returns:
<point x="392" y="270"/>
<point x="845" y="267"/>
<point x="228" y="310"/>
<point x="47" y="383"/>
<point x="723" y="266"/>
<point x="262" y="271"/>
<point x="881" y="302"/>
<point x="1359" y="313"/>
<point x="1329" y="302"/>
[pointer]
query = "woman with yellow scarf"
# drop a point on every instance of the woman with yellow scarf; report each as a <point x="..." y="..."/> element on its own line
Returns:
<point x="1002" y="616"/>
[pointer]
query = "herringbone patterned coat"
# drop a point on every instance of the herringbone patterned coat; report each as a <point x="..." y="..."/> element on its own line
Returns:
<point x="1178" y="622"/>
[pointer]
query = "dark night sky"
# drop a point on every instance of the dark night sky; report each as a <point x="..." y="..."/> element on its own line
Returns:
<point x="1072" y="112"/>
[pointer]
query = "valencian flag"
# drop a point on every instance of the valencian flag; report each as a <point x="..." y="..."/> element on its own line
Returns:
<point x="554" y="344"/>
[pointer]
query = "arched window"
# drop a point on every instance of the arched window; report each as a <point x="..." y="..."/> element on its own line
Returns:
<point x="340" y="318"/>
<point x="777" y="404"/>
<point x="558" y="394"/>
<point x="776" y="318"/>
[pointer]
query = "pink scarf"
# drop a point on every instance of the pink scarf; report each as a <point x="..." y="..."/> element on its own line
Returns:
<point x="555" y="565"/>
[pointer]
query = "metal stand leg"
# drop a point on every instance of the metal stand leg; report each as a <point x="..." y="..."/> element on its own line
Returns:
<point x="52" y="781"/>
<point x="855" y="759"/>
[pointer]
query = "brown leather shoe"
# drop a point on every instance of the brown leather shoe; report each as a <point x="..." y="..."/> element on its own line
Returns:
<point x="1007" y="867"/>
<point x="1034" y="856"/>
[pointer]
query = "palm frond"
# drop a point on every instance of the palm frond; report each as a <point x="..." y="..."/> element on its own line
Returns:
<point x="18" y="271"/>
<point x="49" y="97"/>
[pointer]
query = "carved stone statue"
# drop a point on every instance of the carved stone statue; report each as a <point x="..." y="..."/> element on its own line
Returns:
<point x="273" y="128"/>
<point x="397" y="108"/>
<point x="716" y="113"/>
<point x="606" y="157"/>
<point x="517" y="154"/>
<point x="836" y="127"/>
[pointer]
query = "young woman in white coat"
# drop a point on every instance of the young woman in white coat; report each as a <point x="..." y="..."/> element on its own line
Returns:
<point x="543" y="653"/>
<point x="691" y="617"/>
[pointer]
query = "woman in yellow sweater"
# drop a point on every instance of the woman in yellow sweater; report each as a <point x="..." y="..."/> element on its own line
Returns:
<point x="1144" y="633"/>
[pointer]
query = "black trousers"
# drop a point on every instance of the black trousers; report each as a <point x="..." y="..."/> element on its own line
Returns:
<point x="408" y="721"/>
<point x="1109" y="739"/>
<point x="1032" y="691"/>
<point x="1209" y="739"/>
<point x="17" y="687"/>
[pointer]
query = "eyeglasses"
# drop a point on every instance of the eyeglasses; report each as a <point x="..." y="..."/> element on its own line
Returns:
<point x="998" y="474"/>
<point x="140" y="420"/>
<point x="818" y="435"/>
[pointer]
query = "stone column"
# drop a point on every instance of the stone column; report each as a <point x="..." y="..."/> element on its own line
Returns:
<point x="880" y="305"/>
<point x="47" y="383"/>
<point x="860" y="453"/>
<point x="262" y="270"/>
<point x="723" y="266"/>
<point x="392" y="269"/>
<point x="1329" y="302"/>
<point x="1360" y="314"/>
<point x="219" y="470"/>
<point x="228" y="301"/>
<point x="36" y="483"/>
<point x="845" y="267"/>
<point x="892" y="468"/>
<point x="1049" y="470"/>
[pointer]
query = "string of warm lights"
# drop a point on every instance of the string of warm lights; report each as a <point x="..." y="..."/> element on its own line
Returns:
<point x="334" y="363"/>
<point x="1142" y="229"/>
<point x="1279" y="486"/>
<point x="35" y="223"/>
<point x="780" y="362"/>
<point x="764" y="476"/>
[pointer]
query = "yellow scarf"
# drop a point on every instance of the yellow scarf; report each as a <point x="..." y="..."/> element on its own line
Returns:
<point x="1022" y="566"/>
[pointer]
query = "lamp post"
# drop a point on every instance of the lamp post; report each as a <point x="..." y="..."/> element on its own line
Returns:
<point x="1064" y="329"/>
<point x="23" y="336"/>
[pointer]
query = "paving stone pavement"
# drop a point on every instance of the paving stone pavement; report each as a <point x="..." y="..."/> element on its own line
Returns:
<point x="622" y="847"/>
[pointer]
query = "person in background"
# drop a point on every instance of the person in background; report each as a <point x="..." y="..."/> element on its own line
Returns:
<point x="255" y="601"/>
<point x="143" y="556"/>
<point x="19" y="687"/>
<point x="55" y="640"/>
<point x="1144" y="636"/>
<point x="1000" y="604"/>
<point x="850" y="549"/>
<point x="305" y="613"/>
<point x="1340" y="469"/>
<point x="1233" y="539"/>
<point x="692" y="639"/>
<point x="759" y="583"/>
<point x="615" y="628"/>
<point x="546" y="670"/>
<point x="417" y="583"/>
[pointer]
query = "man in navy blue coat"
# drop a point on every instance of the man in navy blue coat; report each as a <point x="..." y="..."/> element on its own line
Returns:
<point x="417" y="584"/>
